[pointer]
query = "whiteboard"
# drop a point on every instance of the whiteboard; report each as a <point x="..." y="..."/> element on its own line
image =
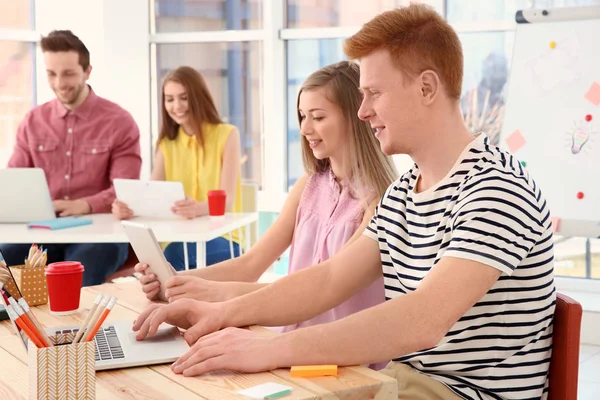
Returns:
<point x="552" y="114"/>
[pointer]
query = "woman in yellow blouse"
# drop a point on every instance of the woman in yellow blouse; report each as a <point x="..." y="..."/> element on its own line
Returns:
<point x="197" y="148"/>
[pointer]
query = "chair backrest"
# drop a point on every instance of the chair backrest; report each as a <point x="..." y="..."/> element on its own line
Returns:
<point x="250" y="204"/>
<point x="564" y="365"/>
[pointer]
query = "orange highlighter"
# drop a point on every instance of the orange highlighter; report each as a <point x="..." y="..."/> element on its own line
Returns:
<point x="100" y="321"/>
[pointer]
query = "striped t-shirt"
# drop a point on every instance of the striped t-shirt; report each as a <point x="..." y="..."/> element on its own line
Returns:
<point x="489" y="210"/>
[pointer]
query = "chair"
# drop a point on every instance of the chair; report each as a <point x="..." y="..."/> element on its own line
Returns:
<point x="564" y="365"/>
<point x="127" y="269"/>
<point x="250" y="204"/>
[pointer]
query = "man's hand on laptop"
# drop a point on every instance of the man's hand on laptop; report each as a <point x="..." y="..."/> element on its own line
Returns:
<point x="233" y="349"/>
<point x="197" y="317"/>
<point x="65" y="208"/>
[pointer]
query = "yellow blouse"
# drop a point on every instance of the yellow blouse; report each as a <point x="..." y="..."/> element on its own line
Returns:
<point x="199" y="168"/>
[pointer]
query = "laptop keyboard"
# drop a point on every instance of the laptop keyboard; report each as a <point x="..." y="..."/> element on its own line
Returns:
<point x="108" y="346"/>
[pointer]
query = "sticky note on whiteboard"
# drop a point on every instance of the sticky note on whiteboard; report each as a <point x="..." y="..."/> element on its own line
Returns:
<point x="515" y="141"/>
<point x="555" y="224"/>
<point x="269" y="390"/>
<point x="593" y="94"/>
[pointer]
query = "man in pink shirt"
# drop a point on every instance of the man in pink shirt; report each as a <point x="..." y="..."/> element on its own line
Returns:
<point x="82" y="142"/>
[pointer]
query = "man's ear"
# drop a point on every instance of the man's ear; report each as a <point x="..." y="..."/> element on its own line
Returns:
<point x="430" y="86"/>
<point x="87" y="72"/>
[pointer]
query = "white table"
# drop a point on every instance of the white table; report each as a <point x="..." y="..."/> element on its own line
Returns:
<point x="106" y="229"/>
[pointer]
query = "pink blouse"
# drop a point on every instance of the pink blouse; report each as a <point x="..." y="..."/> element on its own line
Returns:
<point x="326" y="219"/>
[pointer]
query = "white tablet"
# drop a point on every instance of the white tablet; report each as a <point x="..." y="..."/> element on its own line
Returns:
<point x="148" y="251"/>
<point x="149" y="198"/>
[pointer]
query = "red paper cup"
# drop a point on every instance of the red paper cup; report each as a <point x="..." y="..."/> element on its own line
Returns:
<point x="64" y="286"/>
<point x="216" y="202"/>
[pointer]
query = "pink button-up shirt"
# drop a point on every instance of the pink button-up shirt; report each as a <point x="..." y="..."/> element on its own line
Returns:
<point x="81" y="151"/>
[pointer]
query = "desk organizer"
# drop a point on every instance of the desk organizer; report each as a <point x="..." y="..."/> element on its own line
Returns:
<point x="63" y="372"/>
<point x="32" y="283"/>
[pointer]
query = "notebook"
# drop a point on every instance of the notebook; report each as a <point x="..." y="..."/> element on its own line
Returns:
<point x="59" y="223"/>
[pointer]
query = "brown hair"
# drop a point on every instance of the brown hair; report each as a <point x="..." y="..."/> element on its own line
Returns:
<point x="417" y="39"/>
<point x="63" y="41"/>
<point x="201" y="104"/>
<point x="372" y="171"/>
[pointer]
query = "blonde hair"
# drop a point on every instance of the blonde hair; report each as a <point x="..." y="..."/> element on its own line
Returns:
<point x="417" y="39"/>
<point x="371" y="171"/>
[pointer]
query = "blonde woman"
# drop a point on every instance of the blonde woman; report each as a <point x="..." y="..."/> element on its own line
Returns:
<point x="328" y="207"/>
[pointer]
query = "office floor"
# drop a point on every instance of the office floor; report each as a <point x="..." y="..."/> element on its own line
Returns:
<point x="589" y="372"/>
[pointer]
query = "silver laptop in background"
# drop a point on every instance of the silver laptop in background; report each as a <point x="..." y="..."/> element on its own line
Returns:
<point x="24" y="196"/>
<point x="116" y="346"/>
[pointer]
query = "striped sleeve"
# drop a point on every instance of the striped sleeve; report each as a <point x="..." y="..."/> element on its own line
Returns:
<point x="497" y="220"/>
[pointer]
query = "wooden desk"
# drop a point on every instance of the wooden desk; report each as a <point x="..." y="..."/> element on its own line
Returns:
<point x="159" y="382"/>
<point x="106" y="229"/>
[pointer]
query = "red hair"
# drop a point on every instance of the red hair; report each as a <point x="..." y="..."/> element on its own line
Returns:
<point x="417" y="39"/>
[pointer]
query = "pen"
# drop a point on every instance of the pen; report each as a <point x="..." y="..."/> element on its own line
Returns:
<point x="103" y="316"/>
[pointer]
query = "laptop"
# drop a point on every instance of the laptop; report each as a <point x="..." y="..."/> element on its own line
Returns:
<point x="117" y="347"/>
<point x="25" y="196"/>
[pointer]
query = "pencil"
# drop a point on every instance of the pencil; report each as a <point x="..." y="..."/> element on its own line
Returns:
<point x="19" y="321"/>
<point x="100" y="321"/>
<point x="33" y="330"/>
<point x="95" y="317"/>
<point x="88" y="318"/>
<point x="33" y="319"/>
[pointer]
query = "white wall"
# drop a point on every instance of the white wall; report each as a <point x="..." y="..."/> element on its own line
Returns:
<point x="116" y="34"/>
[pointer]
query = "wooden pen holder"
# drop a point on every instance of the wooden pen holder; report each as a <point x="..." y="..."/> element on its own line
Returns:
<point x="32" y="282"/>
<point x="62" y="372"/>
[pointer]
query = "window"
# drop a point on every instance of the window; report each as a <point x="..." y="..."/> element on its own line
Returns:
<point x="332" y="13"/>
<point x="17" y="14"/>
<point x="232" y="73"/>
<point x="17" y="70"/>
<point x="487" y="57"/>
<point x="206" y="15"/>
<point x="303" y="58"/>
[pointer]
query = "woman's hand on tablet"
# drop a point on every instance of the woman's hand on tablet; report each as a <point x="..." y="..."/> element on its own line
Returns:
<point x="149" y="281"/>
<point x="192" y="287"/>
<point x="188" y="208"/>
<point x="120" y="210"/>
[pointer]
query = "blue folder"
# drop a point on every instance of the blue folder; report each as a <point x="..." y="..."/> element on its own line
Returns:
<point x="59" y="223"/>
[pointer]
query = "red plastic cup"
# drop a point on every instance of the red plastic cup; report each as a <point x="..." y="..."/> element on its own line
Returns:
<point x="64" y="286"/>
<point x="216" y="202"/>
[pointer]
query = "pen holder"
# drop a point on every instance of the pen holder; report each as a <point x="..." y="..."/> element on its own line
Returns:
<point x="32" y="283"/>
<point x="62" y="372"/>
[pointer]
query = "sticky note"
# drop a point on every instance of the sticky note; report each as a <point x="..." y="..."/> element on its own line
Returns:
<point x="593" y="94"/>
<point x="555" y="224"/>
<point x="269" y="390"/>
<point x="515" y="141"/>
<point x="303" y="371"/>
